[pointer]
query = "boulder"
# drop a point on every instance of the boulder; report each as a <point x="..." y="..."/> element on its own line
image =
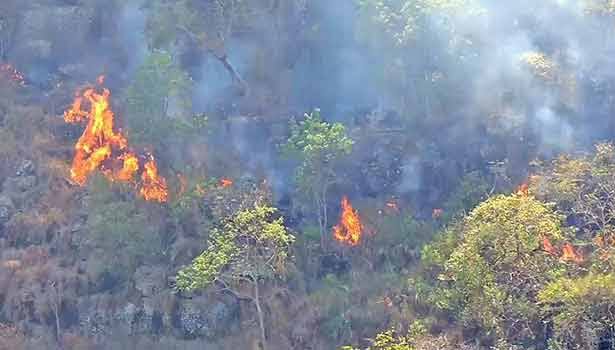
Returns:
<point x="51" y="31"/>
<point x="149" y="280"/>
<point x="7" y="208"/>
<point x="26" y="168"/>
<point x="19" y="183"/>
<point x="200" y="317"/>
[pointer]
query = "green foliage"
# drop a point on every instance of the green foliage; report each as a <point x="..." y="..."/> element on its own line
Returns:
<point x="491" y="277"/>
<point x="392" y="340"/>
<point x="158" y="99"/>
<point x="584" y="187"/>
<point x="403" y="20"/>
<point x="208" y="23"/>
<point x="472" y="189"/>
<point x="250" y="244"/>
<point x="599" y="7"/>
<point x="333" y="299"/>
<point x="120" y="229"/>
<point x="318" y="145"/>
<point x="580" y="309"/>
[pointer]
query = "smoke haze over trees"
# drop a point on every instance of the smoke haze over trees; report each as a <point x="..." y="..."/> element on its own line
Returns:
<point x="177" y="174"/>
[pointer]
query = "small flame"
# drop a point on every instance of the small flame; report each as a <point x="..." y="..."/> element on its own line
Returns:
<point x="523" y="189"/>
<point x="154" y="187"/>
<point x="99" y="142"/>
<point x="226" y="182"/>
<point x="13" y="74"/>
<point x="570" y="254"/>
<point x="548" y="247"/>
<point x="437" y="213"/>
<point x="349" y="229"/>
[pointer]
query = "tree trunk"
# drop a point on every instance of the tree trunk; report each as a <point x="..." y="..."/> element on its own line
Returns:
<point x="57" y="300"/>
<point x="261" y="320"/>
<point x="321" y="225"/>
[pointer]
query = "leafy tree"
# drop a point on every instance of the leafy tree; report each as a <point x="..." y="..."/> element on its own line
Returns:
<point x="249" y="248"/>
<point x="492" y="266"/>
<point x="392" y="340"/>
<point x="158" y="99"/>
<point x="603" y="8"/>
<point x="318" y="145"/>
<point x="122" y="231"/>
<point x="207" y="24"/>
<point x="581" y="311"/>
<point x="584" y="188"/>
<point x="405" y="20"/>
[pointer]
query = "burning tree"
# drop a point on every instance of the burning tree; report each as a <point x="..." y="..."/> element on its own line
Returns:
<point x="319" y="145"/>
<point x="102" y="147"/>
<point x="248" y="248"/>
<point x="350" y="228"/>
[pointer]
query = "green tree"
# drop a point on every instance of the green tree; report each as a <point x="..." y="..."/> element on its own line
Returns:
<point x="581" y="310"/>
<point x="122" y="231"/>
<point x="392" y="340"/>
<point x="208" y="24"/>
<point x="583" y="187"/>
<point x="318" y="145"/>
<point x="158" y="99"/>
<point x="249" y="248"/>
<point x="491" y="266"/>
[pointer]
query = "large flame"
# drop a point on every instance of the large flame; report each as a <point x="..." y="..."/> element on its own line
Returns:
<point x="100" y="143"/>
<point x="350" y="228"/>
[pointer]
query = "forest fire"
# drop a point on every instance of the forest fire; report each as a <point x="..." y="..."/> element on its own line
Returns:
<point x="569" y="253"/>
<point x="548" y="247"/>
<point x="225" y="183"/>
<point x="523" y="189"/>
<point x="154" y="187"/>
<point x="12" y="73"/>
<point x="350" y="228"/>
<point x="100" y="143"/>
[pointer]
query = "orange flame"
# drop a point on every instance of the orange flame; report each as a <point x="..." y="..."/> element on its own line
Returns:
<point x="570" y="254"/>
<point x="129" y="168"/>
<point x="226" y="183"/>
<point x="523" y="189"/>
<point x="99" y="141"/>
<point x="548" y="247"/>
<point x="349" y="229"/>
<point x="154" y="187"/>
<point x="12" y="73"/>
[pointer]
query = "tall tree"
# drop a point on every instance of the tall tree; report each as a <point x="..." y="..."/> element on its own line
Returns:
<point x="249" y="248"/>
<point x="318" y="145"/>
